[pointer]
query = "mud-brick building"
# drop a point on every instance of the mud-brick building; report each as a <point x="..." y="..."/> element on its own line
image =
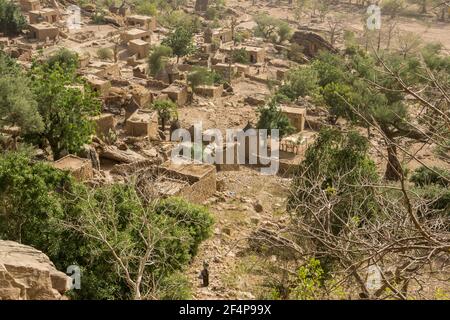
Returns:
<point x="80" y="168"/>
<point x="134" y="34"/>
<point x="296" y="116"/>
<point x="104" y="124"/>
<point x="43" y="31"/>
<point x="142" y="123"/>
<point x="139" y="48"/>
<point x="177" y="92"/>
<point x="142" y="22"/>
<point x="209" y="91"/>
<point x="30" y="5"/>
<point x="219" y="35"/>
<point x="43" y="15"/>
<point x="200" y="179"/>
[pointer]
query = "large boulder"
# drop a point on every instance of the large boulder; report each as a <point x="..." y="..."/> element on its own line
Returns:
<point x="28" y="274"/>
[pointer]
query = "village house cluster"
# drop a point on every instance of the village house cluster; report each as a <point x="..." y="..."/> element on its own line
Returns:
<point x="129" y="138"/>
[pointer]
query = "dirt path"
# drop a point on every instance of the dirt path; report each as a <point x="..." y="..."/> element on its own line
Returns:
<point x="235" y="210"/>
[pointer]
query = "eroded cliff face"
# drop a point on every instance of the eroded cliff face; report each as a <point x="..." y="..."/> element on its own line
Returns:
<point x="28" y="274"/>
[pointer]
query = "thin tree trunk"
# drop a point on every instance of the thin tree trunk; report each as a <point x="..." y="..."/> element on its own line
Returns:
<point x="393" y="168"/>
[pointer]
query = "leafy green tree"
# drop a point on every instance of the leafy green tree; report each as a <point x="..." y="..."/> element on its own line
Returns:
<point x="300" y="82"/>
<point x="158" y="58"/>
<point x="166" y="109"/>
<point x="18" y="105"/>
<point x="63" y="58"/>
<point x="194" y="218"/>
<point x="335" y="164"/>
<point x="200" y="76"/>
<point x="30" y="195"/>
<point x="64" y="109"/>
<point x="181" y="42"/>
<point x="284" y="32"/>
<point x="271" y="117"/>
<point x="12" y="22"/>
<point x="240" y="56"/>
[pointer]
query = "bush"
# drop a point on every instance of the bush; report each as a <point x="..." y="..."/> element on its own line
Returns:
<point x="240" y="56"/>
<point x="12" y="22"/>
<point x="105" y="54"/>
<point x="195" y="218"/>
<point x="64" y="58"/>
<point x="424" y="176"/>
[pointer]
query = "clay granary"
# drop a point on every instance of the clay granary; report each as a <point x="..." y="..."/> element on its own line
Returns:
<point x="99" y="85"/>
<point x="80" y="168"/>
<point x="44" y="15"/>
<point x="142" y="22"/>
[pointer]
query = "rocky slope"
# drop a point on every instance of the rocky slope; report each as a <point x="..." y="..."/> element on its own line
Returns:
<point x="28" y="274"/>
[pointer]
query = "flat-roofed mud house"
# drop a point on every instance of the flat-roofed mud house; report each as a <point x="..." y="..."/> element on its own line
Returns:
<point x="104" y="124"/>
<point x="44" y="15"/>
<point x="142" y="123"/>
<point x="134" y="34"/>
<point x="296" y="116"/>
<point x="209" y="91"/>
<point x="80" y="168"/>
<point x="199" y="180"/>
<point x="139" y="47"/>
<point x="30" y="5"/>
<point x="141" y="21"/>
<point x="177" y="92"/>
<point x="219" y="35"/>
<point x="43" y="31"/>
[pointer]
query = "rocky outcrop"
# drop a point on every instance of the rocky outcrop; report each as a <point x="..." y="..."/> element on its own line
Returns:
<point x="28" y="274"/>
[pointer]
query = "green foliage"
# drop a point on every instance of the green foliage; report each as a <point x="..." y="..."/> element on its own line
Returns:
<point x="180" y="19"/>
<point x="424" y="176"/>
<point x="240" y="56"/>
<point x="63" y="58"/>
<point x="299" y="82"/>
<point x="175" y="287"/>
<point x="105" y="54"/>
<point x="45" y="208"/>
<point x="336" y="163"/>
<point x="271" y="117"/>
<point x="18" y="106"/>
<point x="309" y="281"/>
<point x="181" y="42"/>
<point x="8" y="66"/>
<point x="30" y="197"/>
<point x="64" y="109"/>
<point x="200" y="76"/>
<point x="12" y="22"/>
<point x="166" y="109"/>
<point x="194" y="218"/>
<point x="158" y="58"/>
<point x="271" y="28"/>
<point x="98" y="17"/>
